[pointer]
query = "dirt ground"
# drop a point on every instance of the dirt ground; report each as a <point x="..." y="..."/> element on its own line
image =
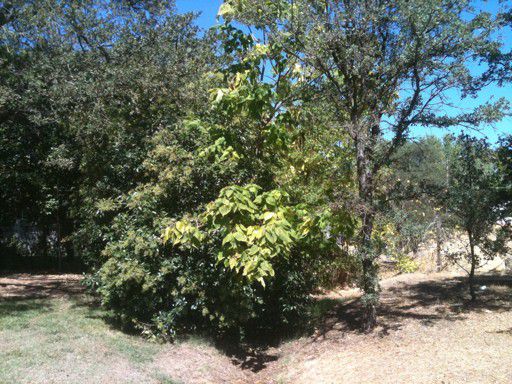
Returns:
<point x="427" y="333"/>
<point x="24" y="285"/>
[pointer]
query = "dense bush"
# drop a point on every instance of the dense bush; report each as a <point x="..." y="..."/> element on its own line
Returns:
<point x="165" y="292"/>
<point x="239" y="254"/>
<point x="164" y="289"/>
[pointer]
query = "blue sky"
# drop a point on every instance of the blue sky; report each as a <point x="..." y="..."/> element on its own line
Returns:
<point x="207" y="18"/>
<point x="208" y="9"/>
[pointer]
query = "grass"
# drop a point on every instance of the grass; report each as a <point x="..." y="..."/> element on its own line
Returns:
<point x="70" y="339"/>
<point x="428" y="333"/>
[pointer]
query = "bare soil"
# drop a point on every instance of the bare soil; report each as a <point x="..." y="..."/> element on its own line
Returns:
<point x="29" y="286"/>
<point x="428" y="333"/>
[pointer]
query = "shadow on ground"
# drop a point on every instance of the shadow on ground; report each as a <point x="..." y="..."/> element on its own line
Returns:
<point x="26" y="286"/>
<point x="12" y="306"/>
<point x="424" y="299"/>
<point x="249" y="356"/>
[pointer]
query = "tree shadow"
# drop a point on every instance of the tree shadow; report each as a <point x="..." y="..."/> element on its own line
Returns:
<point x="505" y="332"/>
<point x="426" y="302"/>
<point x="22" y="293"/>
<point x="253" y="359"/>
<point x="27" y="287"/>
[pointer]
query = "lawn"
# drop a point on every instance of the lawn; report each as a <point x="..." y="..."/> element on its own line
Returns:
<point x="65" y="340"/>
<point x="52" y="332"/>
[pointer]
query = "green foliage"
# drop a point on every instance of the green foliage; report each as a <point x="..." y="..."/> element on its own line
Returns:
<point x="410" y="197"/>
<point x="384" y="67"/>
<point x="504" y="154"/>
<point x="254" y="228"/>
<point x="475" y="202"/>
<point x="87" y="85"/>
<point x="390" y="242"/>
<point x="211" y="181"/>
<point x="168" y="290"/>
<point x="405" y="263"/>
<point x="473" y="182"/>
<point x="238" y="253"/>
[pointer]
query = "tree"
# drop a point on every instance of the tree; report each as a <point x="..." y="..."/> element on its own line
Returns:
<point x="411" y="195"/>
<point x="499" y="68"/>
<point x="505" y="162"/>
<point x="85" y="85"/>
<point x="386" y="66"/>
<point x="474" y="202"/>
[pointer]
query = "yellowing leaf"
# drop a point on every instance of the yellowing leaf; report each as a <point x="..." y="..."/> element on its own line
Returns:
<point x="271" y="237"/>
<point x="227" y="239"/>
<point x="226" y="9"/>
<point x="220" y="95"/>
<point x="166" y="235"/>
<point x="232" y="262"/>
<point x="240" y="236"/>
<point x="258" y="233"/>
<point x="180" y="227"/>
<point x="224" y="210"/>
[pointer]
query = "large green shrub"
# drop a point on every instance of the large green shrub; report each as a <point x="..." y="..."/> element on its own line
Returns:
<point x="166" y="291"/>
<point x="212" y="278"/>
<point x="212" y="239"/>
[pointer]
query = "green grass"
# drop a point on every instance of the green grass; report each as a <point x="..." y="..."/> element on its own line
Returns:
<point x="68" y="340"/>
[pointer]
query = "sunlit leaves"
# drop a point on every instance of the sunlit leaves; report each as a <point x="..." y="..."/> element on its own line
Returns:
<point x="220" y="152"/>
<point x="276" y="8"/>
<point x="255" y="227"/>
<point x="226" y="11"/>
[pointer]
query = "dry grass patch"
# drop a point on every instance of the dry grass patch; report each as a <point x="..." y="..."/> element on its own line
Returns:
<point x="50" y="332"/>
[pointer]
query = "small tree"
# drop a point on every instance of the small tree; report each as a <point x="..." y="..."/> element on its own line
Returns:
<point x="418" y="181"/>
<point x="474" y="202"/>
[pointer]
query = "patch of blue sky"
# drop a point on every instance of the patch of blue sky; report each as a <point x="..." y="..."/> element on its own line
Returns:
<point x="207" y="18"/>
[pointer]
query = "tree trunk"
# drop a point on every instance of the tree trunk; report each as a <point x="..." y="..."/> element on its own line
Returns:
<point x="59" y="243"/>
<point x="370" y="286"/>
<point x="369" y="283"/>
<point x="471" y="279"/>
<point x="439" y="260"/>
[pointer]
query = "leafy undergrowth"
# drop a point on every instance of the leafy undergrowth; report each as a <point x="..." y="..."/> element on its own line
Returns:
<point x="428" y="333"/>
